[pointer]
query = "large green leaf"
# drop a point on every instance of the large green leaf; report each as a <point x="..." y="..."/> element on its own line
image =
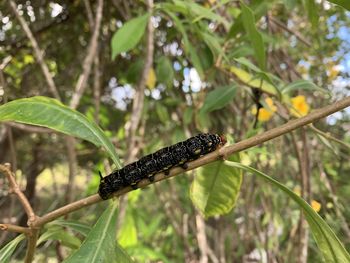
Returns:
<point x="51" y="113"/>
<point x="330" y="246"/>
<point x="254" y="35"/>
<point x="215" y="189"/>
<point x="218" y="98"/>
<point x="7" y="251"/>
<point x="100" y="245"/>
<point x="343" y="3"/>
<point x="129" y="35"/>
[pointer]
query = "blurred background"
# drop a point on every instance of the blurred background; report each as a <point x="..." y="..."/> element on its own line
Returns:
<point x="152" y="74"/>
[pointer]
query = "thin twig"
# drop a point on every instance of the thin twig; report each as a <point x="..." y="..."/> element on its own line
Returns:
<point x="211" y="157"/>
<point x="15" y="228"/>
<point x="15" y="189"/>
<point x="5" y="62"/>
<point x="328" y="136"/>
<point x="32" y="236"/>
<point x="295" y="33"/>
<point x="138" y="101"/>
<point x="89" y="59"/>
<point x="93" y="199"/>
<point x="201" y="239"/>
<point x="37" y="52"/>
<point x="97" y="73"/>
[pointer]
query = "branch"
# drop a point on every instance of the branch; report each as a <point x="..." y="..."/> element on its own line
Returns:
<point x="295" y="33"/>
<point x="15" y="189"/>
<point x="37" y="52"/>
<point x="89" y="59"/>
<point x="138" y="101"/>
<point x="93" y="199"/>
<point x="32" y="239"/>
<point x="15" y="228"/>
<point x="211" y="157"/>
<point x="32" y="233"/>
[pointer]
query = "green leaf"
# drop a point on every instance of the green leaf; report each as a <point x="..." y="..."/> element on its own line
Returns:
<point x="162" y="113"/>
<point x="213" y="42"/>
<point x="328" y="243"/>
<point x="7" y="251"/>
<point x="260" y="9"/>
<point x="254" y="35"/>
<point x="195" y="60"/>
<point x="218" y="98"/>
<point x="129" y="35"/>
<point x="215" y="189"/>
<point x="100" y="245"/>
<point x="50" y="113"/>
<point x="134" y="71"/>
<point x="77" y="226"/>
<point x="127" y="235"/>
<point x="58" y="233"/>
<point x="198" y="11"/>
<point x="302" y="85"/>
<point x="255" y="82"/>
<point x="343" y="3"/>
<point x="188" y="114"/>
<point x="311" y="9"/>
<point x="165" y="71"/>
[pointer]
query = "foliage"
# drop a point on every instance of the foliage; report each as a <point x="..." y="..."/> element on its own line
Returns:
<point x="216" y="63"/>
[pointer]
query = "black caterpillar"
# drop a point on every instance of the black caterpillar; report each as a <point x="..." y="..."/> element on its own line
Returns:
<point x="160" y="161"/>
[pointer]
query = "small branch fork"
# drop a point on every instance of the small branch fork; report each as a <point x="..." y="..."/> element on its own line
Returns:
<point x="31" y="231"/>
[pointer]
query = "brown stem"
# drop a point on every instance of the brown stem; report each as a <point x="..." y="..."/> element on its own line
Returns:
<point x="328" y="136"/>
<point x="295" y="33"/>
<point x="211" y="157"/>
<point x="32" y="239"/>
<point x="14" y="228"/>
<point x="89" y="59"/>
<point x="33" y="232"/>
<point x="93" y="199"/>
<point x="138" y="101"/>
<point x="202" y="239"/>
<point x="15" y="189"/>
<point x="302" y="154"/>
<point x="72" y="163"/>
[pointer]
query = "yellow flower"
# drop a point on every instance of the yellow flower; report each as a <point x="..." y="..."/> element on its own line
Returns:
<point x="151" y="79"/>
<point x="316" y="205"/>
<point x="299" y="106"/>
<point x="333" y="73"/>
<point x="265" y="114"/>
